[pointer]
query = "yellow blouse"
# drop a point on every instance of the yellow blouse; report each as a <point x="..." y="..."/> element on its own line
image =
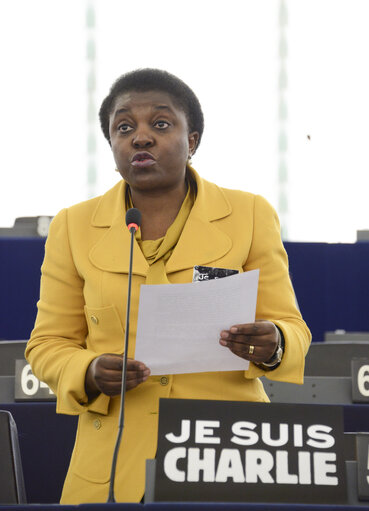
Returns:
<point x="157" y="252"/>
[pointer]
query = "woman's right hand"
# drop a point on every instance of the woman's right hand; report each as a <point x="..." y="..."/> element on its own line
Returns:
<point x="104" y="374"/>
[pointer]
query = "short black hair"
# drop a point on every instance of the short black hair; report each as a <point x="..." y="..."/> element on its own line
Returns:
<point x="143" y="80"/>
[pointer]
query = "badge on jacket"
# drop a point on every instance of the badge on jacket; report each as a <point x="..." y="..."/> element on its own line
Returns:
<point x="201" y="273"/>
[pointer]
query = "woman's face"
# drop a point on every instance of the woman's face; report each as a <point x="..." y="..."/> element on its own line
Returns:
<point x="150" y="140"/>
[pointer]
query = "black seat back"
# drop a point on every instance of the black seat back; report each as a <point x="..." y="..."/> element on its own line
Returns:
<point x="12" y="490"/>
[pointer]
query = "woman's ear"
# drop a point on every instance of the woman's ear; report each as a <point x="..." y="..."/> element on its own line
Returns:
<point x="193" y="140"/>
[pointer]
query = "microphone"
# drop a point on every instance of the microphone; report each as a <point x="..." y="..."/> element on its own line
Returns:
<point x="133" y="221"/>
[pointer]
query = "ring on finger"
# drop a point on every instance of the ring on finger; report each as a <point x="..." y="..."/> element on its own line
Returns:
<point x="251" y="349"/>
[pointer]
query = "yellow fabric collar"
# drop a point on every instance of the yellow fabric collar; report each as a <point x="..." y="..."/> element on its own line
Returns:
<point x="200" y="242"/>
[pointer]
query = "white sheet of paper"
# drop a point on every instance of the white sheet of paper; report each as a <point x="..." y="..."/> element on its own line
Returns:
<point x="179" y="325"/>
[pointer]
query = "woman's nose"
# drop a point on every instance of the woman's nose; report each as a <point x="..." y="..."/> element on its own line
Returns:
<point x="142" y="139"/>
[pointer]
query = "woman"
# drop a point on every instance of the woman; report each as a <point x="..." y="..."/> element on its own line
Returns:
<point x="153" y="123"/>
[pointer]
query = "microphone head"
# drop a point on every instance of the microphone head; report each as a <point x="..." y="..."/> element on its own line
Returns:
<point x="133" y="218"/>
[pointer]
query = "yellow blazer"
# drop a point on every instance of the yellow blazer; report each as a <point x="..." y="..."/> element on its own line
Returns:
<point x="82" y="309"/>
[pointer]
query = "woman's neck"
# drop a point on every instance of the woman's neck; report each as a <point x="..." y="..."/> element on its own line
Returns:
<point x="158" y="210"/>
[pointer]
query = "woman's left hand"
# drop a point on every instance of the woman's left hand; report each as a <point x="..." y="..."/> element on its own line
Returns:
<point x="256" y="342"/>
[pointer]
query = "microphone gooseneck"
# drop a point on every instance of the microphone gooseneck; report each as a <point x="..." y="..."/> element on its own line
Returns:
<point x="133" y="221"/>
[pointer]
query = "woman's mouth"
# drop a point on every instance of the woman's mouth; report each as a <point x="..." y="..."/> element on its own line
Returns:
<point x="143" y="159"/>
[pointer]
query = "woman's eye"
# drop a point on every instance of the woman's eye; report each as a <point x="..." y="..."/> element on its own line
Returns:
<point x="161" y="124"/>
<point x="124" y="128"/>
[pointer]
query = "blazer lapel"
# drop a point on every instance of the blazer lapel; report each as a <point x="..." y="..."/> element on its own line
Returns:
<point x="201" y="241"/>
<point x="111" y="252"/>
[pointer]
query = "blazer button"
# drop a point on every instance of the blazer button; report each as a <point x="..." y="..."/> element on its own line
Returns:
<point x="97" y="423"/>
<point x="164" y="380"/>
<point x="94" y="319"/>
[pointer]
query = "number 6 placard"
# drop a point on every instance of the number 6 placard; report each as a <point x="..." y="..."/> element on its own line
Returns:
<point x="360" y="380"/>
<point x="28" y="387"/>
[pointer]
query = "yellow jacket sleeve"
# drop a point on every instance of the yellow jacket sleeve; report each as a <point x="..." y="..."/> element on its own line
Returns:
<point x="63" y="362"/>
<point x="276" y="299"/>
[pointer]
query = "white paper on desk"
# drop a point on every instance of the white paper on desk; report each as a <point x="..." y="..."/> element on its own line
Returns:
<point x="179" y="325"/>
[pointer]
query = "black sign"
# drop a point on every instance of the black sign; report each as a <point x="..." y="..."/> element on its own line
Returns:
<point x="28" y="387"/>
<point x="362" y="450"/>
<point x="360" y="380"/>
<point x="249" y="452"/>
